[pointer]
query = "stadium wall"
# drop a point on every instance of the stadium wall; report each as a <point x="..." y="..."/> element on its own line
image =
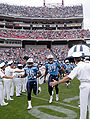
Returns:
<point x="42" y="43"/>
<point x="50" y="44"/>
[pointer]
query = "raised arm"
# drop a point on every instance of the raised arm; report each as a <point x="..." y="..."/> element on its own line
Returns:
<point x="66" y="78"/>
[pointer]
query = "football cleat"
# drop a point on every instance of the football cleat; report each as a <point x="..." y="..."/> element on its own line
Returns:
<point x="29" y="107"/>
<point x="39" y="90"/>
<point x="4" y="103"/>
<point x="67" y="85"/>
<point x="51" y="98"/>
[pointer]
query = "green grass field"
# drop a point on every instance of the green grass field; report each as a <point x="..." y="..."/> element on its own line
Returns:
<point x="65" y="108"/>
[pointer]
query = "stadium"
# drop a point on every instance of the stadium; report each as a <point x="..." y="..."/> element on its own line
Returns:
<point x="37" y="32"/>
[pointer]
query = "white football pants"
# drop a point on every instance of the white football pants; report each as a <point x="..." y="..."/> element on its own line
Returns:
<point x="12" y="87"/>
<point x="7" y="87"/>
<point x="23" y="82"/>
<point x="1" y="93"/>
<point x="84" y="99"/>
<point x="17" y="84"/>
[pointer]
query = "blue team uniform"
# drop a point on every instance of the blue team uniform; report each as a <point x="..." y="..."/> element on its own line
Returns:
<point x="31" y="72"/>
<point x="69" y="68"/>
<point x="32" y="83"/>
<point x="62" y="72"/>
<point x="73" y="65"/>
<point x="52" y="69"/>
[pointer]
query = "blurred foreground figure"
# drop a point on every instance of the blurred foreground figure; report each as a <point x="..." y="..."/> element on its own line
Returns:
<point x="82" y="72"/>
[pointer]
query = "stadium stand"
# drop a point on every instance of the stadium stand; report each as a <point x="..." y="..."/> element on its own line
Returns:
<point x="34" y="25"/>
<point x="39" y="55"/>
<point x="46" y="34"/>
<point x="60" y="52"/>
<point x="17" y="54"/>
<point x="41" y="12"/>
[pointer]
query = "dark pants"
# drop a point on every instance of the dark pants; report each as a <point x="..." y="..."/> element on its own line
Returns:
<point x="50" y="88"/>
<point x="30" y="86"/>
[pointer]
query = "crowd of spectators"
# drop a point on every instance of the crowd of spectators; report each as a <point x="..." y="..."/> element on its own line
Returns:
<point x="45" y="34"/>
<point x="18" y="54"/>
<point x="61" y="52"/>
<point x="39" y="55"/>
<point x="41" y="12"/>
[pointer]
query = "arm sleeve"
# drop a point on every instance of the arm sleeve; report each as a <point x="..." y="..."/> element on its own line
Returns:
<point x="73" y="73"/>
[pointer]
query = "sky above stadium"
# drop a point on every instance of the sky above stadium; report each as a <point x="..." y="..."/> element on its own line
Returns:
<point x="85" y="3"/>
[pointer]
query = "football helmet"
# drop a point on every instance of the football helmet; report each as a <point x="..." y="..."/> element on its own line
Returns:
<point x="79" y="51"/>
<point x="29" y="62"/>
<point x="50" y="58"/>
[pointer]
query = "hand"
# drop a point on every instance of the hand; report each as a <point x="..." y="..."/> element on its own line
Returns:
<point x="12" y="77"/>
<point x="44" y="81"/>
<point x="53" y="83"/>
<point x="34" y="77"/>
<point x="19" y="76"/>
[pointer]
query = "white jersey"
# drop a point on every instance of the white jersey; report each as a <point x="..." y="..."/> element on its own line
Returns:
<point x="81" y="71"/>
<point x="9" y="71"/>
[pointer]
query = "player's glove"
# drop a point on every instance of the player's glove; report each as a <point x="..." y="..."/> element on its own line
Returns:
<point x="34" y="77"/>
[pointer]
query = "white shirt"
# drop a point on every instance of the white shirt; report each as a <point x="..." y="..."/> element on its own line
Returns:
<point x="16" y="74"/>
<point x="42" y="70"/>
<point x="9" y="71"/>
<point x="81" y="71"/>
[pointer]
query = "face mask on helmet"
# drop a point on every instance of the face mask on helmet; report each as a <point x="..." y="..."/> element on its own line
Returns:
<point x="50" y="60"/>
<point x="20" y="67"/>
<point x="30" y="64"/>
<point x="67" y="63"/>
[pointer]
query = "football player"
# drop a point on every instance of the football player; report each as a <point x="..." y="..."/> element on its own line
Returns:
<point x="52" y="68"/>
<point x="32" y="72"/>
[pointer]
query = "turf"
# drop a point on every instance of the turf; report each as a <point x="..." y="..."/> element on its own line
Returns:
<point x="17" y="109"/>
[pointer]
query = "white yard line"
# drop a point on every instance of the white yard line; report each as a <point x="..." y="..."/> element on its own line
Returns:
<point x="55" y="102"/>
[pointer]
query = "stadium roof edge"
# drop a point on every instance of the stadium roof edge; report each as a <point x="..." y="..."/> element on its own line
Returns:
<point x="18" y="17"/>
